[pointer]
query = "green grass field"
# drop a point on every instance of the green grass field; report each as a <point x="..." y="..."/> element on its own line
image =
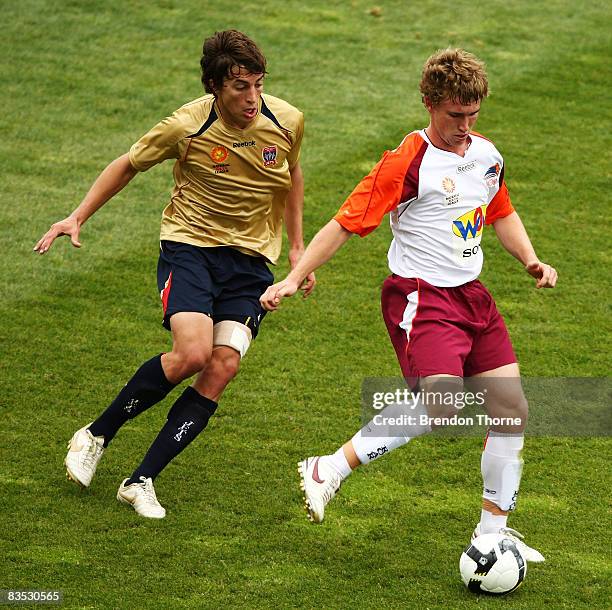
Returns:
<point x="81" y="81"/>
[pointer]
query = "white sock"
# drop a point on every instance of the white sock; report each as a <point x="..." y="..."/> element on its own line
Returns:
<point x="490" y="523"/>
<point x="393" y="427"/>
<point x="338" y="462"/>
<point x="501" y="466"/>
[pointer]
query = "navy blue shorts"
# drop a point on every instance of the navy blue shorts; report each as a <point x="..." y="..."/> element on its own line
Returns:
<point x="221" y="282"/>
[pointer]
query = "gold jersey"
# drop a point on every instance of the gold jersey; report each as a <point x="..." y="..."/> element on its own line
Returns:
<point x="230" y="184"/>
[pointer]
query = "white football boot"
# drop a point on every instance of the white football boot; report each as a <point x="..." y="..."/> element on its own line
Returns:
<point x="526" y="551"/>
<point x="319" y="484"/>
<point x="84" y="453"/>
<point x="141" y="496"/>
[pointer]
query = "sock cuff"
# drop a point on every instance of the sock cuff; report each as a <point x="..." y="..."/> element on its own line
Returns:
<point x="192" y="396"/>
<point x="164" y="384"/>
<point x="503" y="444"/>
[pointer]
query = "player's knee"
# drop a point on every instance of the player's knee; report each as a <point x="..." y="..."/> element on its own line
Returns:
<point x="442" y="396"/>
<point x="194" y="360"/>
<point x="225" y="367"/>
<point x="520" y="411"/>
<point x="522" y="407"/>
<point x="513" y="405"/>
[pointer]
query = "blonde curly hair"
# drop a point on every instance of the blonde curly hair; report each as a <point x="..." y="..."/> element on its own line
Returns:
<point x="456" y="75"/>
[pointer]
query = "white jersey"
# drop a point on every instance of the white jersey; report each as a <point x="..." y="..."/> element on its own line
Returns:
<point x="439" y="203"/>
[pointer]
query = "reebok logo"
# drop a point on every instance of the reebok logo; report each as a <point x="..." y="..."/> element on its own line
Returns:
<point x="243" y="144"/>
<point x="466" y="167"/>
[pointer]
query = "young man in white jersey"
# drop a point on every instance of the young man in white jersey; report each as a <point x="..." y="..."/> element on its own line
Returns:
<point x="237" y="174"/>
<point x="441" y="185"/>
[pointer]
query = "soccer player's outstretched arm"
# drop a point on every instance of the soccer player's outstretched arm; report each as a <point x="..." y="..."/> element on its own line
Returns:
<point x="513" y="237"/>
<point x="294" y="210"/>
<point x="113" y="178"/>
<point x="323" y="246"/>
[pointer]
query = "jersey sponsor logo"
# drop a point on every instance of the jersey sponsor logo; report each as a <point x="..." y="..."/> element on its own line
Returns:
<point x="491" y="175"/>
<point x="466" y="167"/>
<point x="269" y="155"/>
<point x="448" y="184"/>
<point x="219" y="154"/>
<point x="470" y="225"/>
<point x="243" y="144"/>
<point x="471" y="252"/>
<point x="221" y="168"/>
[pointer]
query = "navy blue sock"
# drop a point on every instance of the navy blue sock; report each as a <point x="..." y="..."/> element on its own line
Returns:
<point x="188" y="416"/>
<point x="147" y="387"/>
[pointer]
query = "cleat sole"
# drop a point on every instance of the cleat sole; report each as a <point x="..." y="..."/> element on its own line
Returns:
<point x="74" y="479"/>
<point x="307" y="507"/>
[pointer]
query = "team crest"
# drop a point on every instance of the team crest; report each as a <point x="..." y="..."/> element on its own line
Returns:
<point x="219" y="154"/>
<point x="269" y="155"/>
<point x="491" y="175"/>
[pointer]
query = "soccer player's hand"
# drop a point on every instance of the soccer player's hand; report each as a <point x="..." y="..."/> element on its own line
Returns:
<point x="69" y="226"/>
<point x="308" y="284"/>
<point x="310" y="281"/>
<point x="545" y="274"/>
<point x="271" y="298"/>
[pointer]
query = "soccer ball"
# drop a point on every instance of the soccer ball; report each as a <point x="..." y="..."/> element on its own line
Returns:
<point x="492" y="563"/>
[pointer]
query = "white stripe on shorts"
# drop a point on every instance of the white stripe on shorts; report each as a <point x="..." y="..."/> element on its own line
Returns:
<point x="410" y="312"/>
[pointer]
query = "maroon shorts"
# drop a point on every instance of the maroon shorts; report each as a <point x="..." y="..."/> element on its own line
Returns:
<point x="453" y="331"/>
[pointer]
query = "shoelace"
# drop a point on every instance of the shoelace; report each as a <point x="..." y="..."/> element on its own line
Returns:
<point x="508" y="531"/>
<point x="149" y="491"/>
<point x="92" y="453"/>
<point x="332" y="487"/>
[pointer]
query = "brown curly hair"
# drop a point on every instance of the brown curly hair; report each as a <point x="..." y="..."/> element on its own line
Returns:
<point x="456" y="75"/>
<point x="224" y="53"/>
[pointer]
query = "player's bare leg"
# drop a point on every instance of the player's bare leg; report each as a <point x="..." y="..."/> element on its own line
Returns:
<point x="223" y="367"/>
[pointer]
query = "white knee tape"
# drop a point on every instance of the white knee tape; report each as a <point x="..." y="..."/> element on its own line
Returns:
<point x="501" y="468"/>
<point x="232" y="334"/>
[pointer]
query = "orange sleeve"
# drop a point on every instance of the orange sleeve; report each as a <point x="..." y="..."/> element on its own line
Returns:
<point x="500" y="205"/>
<point x="381" y="190"/>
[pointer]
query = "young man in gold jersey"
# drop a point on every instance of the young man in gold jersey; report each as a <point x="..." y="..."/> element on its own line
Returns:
<point x="237" y="176"/>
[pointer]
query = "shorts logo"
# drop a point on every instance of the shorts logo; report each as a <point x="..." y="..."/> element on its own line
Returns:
<point x="269" y="155"/>
<point x="219" y="154"/>
<point x="470" y="225"/>
<point x="448" y="184"/>
<point x="491" y="175"/>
